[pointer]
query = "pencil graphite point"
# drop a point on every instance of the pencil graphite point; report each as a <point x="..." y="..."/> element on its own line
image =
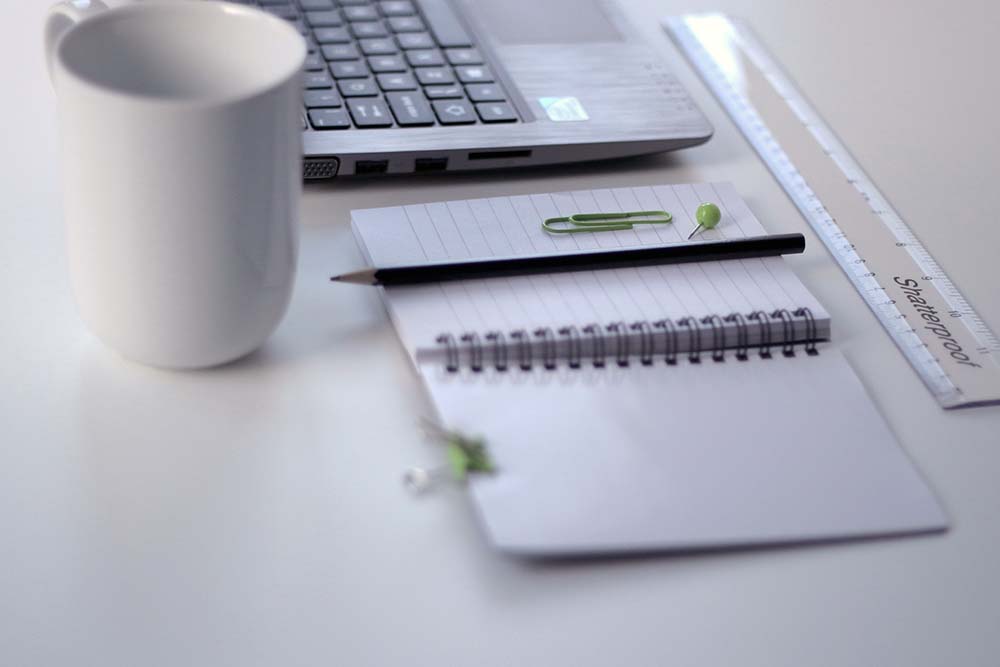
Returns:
<point x="363" y="277"/>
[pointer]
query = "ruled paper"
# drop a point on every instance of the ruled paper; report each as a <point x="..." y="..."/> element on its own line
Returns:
<point x="511" y="226"/>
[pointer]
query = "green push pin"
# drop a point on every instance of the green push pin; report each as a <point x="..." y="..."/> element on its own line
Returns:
<point x="708" y="216"/>
<point x="466" y="455"/>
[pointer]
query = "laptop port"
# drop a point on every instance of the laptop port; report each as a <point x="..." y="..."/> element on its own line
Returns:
<point x="430" y="164"/>
<point x="371" y="167"/>
<point x="499" y="155"/>
<point x="315" y="168"/>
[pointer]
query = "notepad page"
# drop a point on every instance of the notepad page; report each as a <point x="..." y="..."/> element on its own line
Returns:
<point x="683" y="457"/>
<point x="509" y="226"/>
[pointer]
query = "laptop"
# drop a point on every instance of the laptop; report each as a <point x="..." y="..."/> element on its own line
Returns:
<point x="404" y="86"/>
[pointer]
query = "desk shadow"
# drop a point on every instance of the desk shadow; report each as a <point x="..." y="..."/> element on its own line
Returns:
<point x="139" y="429"/>
<point x="545" y="563"/>
<point x="294" y="349"/>
<point x="523" y="579"/>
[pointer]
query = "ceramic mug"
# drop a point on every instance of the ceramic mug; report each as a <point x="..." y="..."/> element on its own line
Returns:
<point x="182" y="151"/>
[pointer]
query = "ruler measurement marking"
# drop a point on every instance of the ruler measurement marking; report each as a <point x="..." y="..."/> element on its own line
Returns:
<point x="851" y="169"/>
<point x="951" y="305"/>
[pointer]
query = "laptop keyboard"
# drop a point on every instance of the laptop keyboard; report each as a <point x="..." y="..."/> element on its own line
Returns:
<point x="391" y="63"/>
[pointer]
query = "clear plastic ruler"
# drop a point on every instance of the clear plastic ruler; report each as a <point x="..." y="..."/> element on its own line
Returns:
<point x="948" y="344"/>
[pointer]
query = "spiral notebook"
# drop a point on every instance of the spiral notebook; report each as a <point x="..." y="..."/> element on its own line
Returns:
<point x="676" y="407"/>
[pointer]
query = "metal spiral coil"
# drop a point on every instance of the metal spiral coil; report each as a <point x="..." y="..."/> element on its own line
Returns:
<point x="742" y="335"/>
<point x="523" y="343"/>
<point x="575" y="347"/>
<point x="497" y="349"/>
<point x="451" y="352"/>
<point x="646" y="341"/>
<point x="812" y="335"/>
<point x="621" y="342"/>
<point x="694" y="338"/>
<point x="718" y="336"/>
<point x="475" y="347"/>
<point x="669" y="340"/>
<point x="787" y="331"/>
<point x="765" y="332"/>
<point x="548" y="339"/>
<point x="597" y="349"/>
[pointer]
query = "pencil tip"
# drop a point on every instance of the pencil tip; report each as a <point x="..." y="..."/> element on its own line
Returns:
<point x="365" y="277"/>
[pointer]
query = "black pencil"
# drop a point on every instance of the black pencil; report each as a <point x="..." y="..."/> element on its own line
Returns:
<point x="498" y="267"/>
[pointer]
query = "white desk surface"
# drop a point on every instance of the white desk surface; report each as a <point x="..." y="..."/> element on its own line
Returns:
<point x="254" y="515"/>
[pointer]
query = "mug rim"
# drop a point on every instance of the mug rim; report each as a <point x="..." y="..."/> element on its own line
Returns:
<point x="184" y="6"/>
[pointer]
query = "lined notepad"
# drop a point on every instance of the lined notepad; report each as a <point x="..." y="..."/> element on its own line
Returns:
<point x="680" y="406"/>
<point x="508" y="226"/>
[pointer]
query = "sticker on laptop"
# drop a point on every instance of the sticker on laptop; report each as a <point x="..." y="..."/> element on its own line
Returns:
<point x="562" y="109"/>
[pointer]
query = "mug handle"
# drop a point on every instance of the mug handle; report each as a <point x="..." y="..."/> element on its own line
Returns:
<point x="61" y="18"/>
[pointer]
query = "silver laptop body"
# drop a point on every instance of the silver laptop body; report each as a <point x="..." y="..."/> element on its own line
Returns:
<point x="451" y="85"/>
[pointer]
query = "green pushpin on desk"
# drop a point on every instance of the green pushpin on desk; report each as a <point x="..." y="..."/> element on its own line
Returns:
<point x="708" y="216"/>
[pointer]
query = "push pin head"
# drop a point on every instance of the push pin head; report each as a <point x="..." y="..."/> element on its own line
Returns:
<point x="419" y="480"/>
<point x="708" y="216"/>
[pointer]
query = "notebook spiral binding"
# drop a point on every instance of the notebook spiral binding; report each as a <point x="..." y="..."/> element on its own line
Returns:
<point x="621" y="343"/>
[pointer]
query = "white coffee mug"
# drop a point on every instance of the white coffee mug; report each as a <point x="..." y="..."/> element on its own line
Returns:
<point x="182" y="157"/>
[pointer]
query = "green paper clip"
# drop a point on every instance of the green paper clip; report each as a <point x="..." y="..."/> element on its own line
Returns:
<point x="604" y="222"/>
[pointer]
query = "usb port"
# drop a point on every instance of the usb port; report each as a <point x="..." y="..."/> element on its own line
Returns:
<point x="430" y="164"/>
<point x="371" y="167"/>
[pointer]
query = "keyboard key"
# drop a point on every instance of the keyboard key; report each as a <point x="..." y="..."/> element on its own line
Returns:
<point x="444" y="24"/>
<point x="415" y="40"/>
<point x="282" y="11"/>
<point x="340" y="52"/>
<point x="430" y="76"/>
<point x="410" y="109"/>
<point x="397" y="62"/>
<point x="387" y="64"/>
<point x="329" y="119"/>
<point x="464" y="57"/>
<point x="496" y="112"/>
<point x="474" y="74"/>
<point x="308" y="5"/>
<point x="425" y="58"/>
<point x="348" y="69"/>
<point x="313" y="80"/>
<point x="397" y="8"/>
<point x="454" y="112"/>
<point x="485" y="92"/>
<point x="357" y="88"/>
<point x="378" y="47"/>
<point x="402" y="81"/>
<point x="365" y="29"/>
<point x="369" y="113"/>
<point x="325" y="19"/>
<point x="443" y="92"/>
<point x="360" y="13"/>
<point x="406" y="24"/>
<point x="322" y="99"/>
<point x="331" y="35"/>
<point x="314" y="63"/>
